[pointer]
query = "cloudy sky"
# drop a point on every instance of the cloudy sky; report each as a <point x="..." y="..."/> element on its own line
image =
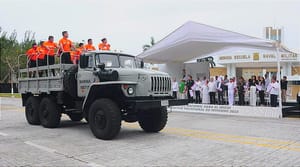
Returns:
<point x="130" y="24"/>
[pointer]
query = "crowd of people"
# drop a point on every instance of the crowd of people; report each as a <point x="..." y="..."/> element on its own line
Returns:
<point x="223" y="90"/>
<point x="44" y="53"/>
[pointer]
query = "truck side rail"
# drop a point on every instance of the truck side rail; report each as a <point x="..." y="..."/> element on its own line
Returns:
<point x="28" y="77"/>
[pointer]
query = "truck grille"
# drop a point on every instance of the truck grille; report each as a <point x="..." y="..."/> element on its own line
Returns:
<point x="160" y="85"/>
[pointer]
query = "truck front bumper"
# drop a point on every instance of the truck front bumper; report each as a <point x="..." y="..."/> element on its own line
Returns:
<point x="146" y="104"/>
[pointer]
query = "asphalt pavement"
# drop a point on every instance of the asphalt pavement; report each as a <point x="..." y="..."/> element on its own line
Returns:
<point x="190" y="139"/>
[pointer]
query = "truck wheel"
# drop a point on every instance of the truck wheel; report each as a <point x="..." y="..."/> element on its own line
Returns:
<point x="32" y="110"/>
<point x="76" y="116"/>
<point x="153" y="120"/>
<point x="49" y="113"/>
<point x="104" y="119"/>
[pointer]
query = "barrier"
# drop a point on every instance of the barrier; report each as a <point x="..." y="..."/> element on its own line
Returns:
<point x="248" y="111"/>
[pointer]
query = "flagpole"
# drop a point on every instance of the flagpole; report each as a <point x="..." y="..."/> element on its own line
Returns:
<point x="279" y="76"/>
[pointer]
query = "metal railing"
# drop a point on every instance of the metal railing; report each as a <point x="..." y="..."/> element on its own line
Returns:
<point x="38" y="73"/>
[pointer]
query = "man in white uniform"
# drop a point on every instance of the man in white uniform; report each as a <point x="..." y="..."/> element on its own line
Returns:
<point x="174" y="88"/>
<point x="231" y="88"/>
<point x="197" y="88"/>
<point x="212" y="89"/>
<point x="273" y="89"/>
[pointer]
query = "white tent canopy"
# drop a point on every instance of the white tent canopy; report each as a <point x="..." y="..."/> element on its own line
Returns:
<point x="195" y="40"/>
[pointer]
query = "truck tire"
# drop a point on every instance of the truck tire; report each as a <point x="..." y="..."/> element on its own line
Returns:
<point x="49" y="113"/>
<point x="32" y="110"/>
<point x="105" y="119"/>
<point x="70" y="81"/>
<point x="76" y="116"/>
<point x="153" y="120"/>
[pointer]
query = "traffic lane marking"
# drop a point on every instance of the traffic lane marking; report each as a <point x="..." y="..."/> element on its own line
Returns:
<point x="94" y="165"/>
<point x="3" y="134"/>
<point x="9" y="107"/>
<point x="228" y="138"/>
<point x="47" y="149"/>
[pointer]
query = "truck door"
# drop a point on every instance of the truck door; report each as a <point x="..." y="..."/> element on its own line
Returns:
<point x="85" y="75"/>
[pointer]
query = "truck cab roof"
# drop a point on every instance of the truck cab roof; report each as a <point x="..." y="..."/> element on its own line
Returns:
<point x="109" y="52"/>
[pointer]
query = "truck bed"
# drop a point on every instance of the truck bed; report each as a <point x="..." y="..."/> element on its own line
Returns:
<point x="44" y="84"/>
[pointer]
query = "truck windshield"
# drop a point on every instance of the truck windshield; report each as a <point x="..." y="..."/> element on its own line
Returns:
<point x="127" y="62"/>
<point x="110" y="60"/>
<point x="114" y="61"/>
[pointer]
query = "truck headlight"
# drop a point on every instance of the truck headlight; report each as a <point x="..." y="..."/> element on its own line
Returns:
<point x="142" y="77"/>
<point x="130" y="91"/>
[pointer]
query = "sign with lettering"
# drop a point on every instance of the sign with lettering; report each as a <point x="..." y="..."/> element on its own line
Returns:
<point x="263" y="57"/>
<point x="255" y="56"/>
<point x="252" y="111"/>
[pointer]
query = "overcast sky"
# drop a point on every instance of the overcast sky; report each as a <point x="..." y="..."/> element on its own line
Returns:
<point x="128" y="24"/>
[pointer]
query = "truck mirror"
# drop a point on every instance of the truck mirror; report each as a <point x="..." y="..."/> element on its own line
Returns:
<point x="101" y="66"/>
<point x="84" y="60"/>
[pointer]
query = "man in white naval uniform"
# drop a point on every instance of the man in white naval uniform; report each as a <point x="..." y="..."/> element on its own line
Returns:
<point x="231" y="88"/>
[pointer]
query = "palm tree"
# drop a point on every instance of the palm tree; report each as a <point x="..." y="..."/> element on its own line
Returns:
<point x="148" y="46"/>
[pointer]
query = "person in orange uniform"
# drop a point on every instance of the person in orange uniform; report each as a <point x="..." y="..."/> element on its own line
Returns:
<point x="50" y="47"/>
<point x="32" y="56"/>
<point x="76" y="55"/>
<point x="41" y="54"/>
<point x="104" y="45"/>
<point x="65" y="46"/>
<point x="89" y="46"/>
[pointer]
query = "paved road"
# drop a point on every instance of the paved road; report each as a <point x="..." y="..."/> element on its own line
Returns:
<point x="188" y="140"/>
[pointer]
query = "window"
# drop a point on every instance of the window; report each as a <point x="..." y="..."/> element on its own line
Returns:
<point x="127" y="62"/>
<point x="110" y="60"/>
<point x="91" y="61"/>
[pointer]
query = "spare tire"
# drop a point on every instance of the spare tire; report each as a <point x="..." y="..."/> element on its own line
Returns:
<point x="70" y="81"/>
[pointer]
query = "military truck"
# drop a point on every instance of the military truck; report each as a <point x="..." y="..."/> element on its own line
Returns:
<point x="104" y="88"/>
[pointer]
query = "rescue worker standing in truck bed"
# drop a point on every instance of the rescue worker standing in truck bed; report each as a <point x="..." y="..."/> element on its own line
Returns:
<point x="50" y="47"/>
<point x="32" y="54"/>
<point x="77" y="53"/>
<point x="89" y="46"/>
<point x="65" y="47"/>
<point x="104" y="45"/>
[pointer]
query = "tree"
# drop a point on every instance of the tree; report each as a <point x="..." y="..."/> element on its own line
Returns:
<point x="10" y="49"/>
<point x="148" y="46"/>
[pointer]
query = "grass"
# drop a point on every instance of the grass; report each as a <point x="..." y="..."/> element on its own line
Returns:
<point x="17" y="95"/>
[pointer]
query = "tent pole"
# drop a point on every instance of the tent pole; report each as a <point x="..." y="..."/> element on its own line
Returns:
<point x="279" y="78"/>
